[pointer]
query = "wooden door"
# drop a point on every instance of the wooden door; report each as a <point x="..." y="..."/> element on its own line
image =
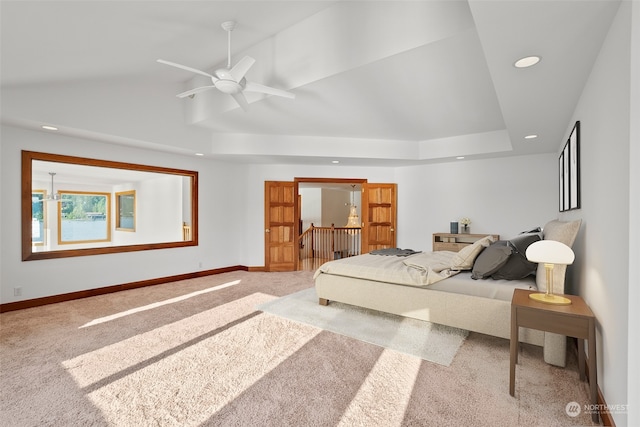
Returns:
<point x="379" y="209"/>
<point x="281" y="223"/>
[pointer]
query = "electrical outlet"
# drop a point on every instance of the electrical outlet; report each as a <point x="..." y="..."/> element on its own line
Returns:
<point x="17" y="292"/>
<point x="200" y="264"/>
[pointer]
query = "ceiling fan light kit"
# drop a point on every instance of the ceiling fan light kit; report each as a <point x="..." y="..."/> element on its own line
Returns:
<point x="53" y="196"/>
<point x="230" y="80"/>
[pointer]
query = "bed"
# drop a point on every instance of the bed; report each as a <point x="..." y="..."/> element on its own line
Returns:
<point x="438" y="287"/>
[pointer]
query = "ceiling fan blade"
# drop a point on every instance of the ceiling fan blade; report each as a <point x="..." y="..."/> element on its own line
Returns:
<point x="184" y="67"/>
<point x="256" y="87"/>
<point x="241" y="100"/>
<point x="194" y="91"/>
<point x="240" y="69"/>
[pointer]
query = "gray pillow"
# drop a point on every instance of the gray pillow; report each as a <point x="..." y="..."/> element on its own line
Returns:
<point x="533" y="230"/>
<point x="517" y="266"/>
<point x="491" y="260"/>
<point x="521" y="242"/>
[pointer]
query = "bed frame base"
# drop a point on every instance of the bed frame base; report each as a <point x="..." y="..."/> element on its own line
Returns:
<point x="477" y="314"/>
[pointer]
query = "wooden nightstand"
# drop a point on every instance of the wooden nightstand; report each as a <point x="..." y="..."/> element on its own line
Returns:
<point x="455" y="242"/>
<point x="574" y="320"/>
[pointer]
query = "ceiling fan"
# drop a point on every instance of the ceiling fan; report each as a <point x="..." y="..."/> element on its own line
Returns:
<point x="230" y="80"/>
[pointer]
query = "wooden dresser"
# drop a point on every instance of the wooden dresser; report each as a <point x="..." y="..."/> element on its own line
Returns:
<point x="455" y="242"/>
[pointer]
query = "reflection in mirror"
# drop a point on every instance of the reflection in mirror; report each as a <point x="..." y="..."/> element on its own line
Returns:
<point x="75" y="206"/>
<point x="83" y="217"/>
<point x="126" y="210"/>
<point x="38" y="217"/>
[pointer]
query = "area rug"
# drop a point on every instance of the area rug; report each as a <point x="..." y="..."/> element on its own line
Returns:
<point x="426" y="340"/>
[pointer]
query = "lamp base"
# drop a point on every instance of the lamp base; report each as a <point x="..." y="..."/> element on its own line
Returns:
<point x="550" y="299"/>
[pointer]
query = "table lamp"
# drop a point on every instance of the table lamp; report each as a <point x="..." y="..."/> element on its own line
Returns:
<point x="550" y="252"/>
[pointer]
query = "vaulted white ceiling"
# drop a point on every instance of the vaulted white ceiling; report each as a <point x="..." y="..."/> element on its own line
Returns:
<point x="376" y="83"/>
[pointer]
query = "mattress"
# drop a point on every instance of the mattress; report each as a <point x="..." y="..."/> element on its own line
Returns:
<point x="462" y="283"/>
<point x="429" y="271"/>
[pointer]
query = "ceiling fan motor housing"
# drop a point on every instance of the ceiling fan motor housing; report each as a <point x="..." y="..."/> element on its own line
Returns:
<point x="226" y="82"/>
<point x="228" y="86"/>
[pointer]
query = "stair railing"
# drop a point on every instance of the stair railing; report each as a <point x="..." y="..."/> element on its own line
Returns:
<point x="329" y="242"/>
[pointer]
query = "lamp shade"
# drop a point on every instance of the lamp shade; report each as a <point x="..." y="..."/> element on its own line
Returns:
<point x="550" y="252"/>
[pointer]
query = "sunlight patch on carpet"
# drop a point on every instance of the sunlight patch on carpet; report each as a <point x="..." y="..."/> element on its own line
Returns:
<point x="143" y="380"/>
<point x="139" y="348"/>
<point x="189" y="387"/>
<point x="158" y="304"/>
<point x="389" y="384"/>
<point x="426" y="340"/>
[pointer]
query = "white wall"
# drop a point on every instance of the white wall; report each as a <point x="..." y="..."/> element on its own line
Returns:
<point x="334" y="208"/>
<point x="219" y="243"/>
<point x="311" y="207"/>
<point x="324" y="206"/>
<point x="158" y="218"/>
<point x="603" y="267"/>
<point x="501" y="196"/>
<point x="186" y="200"/>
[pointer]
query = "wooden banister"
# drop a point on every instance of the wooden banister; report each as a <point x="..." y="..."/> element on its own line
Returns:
<point x="186" y="232"/>
<point x="329" y="242"/>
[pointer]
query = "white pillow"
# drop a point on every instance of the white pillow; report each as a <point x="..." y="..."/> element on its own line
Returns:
<point x="464" y="259"/>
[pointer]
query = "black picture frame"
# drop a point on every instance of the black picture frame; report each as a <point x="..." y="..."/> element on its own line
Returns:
<point x="574" y="166"/>
<point x="569" y="172"/>
<point x="561" y="182"/>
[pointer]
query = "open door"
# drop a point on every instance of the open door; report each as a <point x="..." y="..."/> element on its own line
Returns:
<point x="379" y="210"/>
<point x="281" y="222"/>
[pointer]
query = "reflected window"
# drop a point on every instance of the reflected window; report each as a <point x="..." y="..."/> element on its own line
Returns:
<point x="83" y="217"/>
<point x="126" y="210"/>
<point x="38" y="217"/>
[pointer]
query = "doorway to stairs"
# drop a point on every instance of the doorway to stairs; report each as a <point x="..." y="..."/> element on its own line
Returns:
<point x="326" y="229"/>
<point x="292" y="243"/>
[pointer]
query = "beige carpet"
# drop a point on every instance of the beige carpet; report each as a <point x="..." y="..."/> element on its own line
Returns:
<point x="197" y="353"/>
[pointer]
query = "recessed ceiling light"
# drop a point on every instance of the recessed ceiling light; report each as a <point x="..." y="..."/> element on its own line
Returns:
<point x="532" y="136"/>
<point x="460" y="157"/>
<point x="335" y="161"/>
<point x="527" y="61"/>
<point x="199" y="154"/>
<point x="47" y="127"/>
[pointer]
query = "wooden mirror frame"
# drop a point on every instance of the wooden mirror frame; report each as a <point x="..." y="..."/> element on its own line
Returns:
<point x="26" y="206"/>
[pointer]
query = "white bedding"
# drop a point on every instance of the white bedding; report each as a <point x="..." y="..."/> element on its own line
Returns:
<point x="422" y="269"/>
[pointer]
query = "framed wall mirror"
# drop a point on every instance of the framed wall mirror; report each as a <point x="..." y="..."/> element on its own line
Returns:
<point x="74" y="206"/>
